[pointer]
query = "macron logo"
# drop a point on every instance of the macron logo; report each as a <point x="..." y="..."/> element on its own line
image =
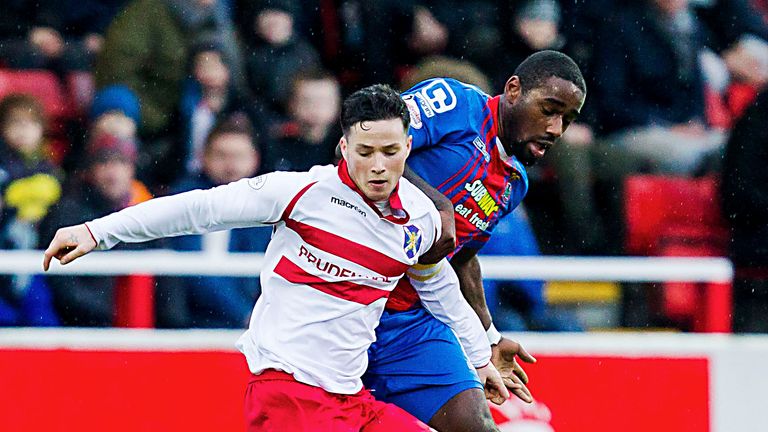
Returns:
<point x="341" y="202"/>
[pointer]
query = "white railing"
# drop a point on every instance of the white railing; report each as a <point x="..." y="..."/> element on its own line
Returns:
<point x="172" y="263"/>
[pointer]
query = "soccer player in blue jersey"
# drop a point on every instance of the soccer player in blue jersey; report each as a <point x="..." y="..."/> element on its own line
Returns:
<point x="469" y="154"/>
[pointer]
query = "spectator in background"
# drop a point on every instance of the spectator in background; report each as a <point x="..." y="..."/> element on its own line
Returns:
<point x="744" y="196"/>
<point x="115" y="110"/>
<point x="56" y="35"/>
<point x="310" y="134"/>
<point x="736" y="64"/>
<point x="368" y="41"/>
<point x="208" y="96"/>
<point x="652" y="97"/>
<point x="275" y="51"/>
<point x="107" y="184"/>
<point x="230" y="153"/>
<point x="466" y="29"/>
<point x="535" y="25"/>
<point x="29" y="185"/>
<point x="729" y="21"/>
<point x="147" y="49"/>
<point x="649" y="93"/>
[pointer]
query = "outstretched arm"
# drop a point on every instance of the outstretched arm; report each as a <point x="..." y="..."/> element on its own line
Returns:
<point x="245" y="203"/>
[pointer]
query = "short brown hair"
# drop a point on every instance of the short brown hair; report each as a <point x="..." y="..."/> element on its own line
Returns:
<point x="310" y="74"/>
<point x="234" y="123"/>
<point x="18" y="101"/>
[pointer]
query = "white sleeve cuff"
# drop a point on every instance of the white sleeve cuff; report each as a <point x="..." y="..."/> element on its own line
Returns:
<point x="494" y="337"/>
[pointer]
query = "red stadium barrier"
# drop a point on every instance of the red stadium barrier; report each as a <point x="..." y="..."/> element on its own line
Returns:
<point x="148" y="380"/>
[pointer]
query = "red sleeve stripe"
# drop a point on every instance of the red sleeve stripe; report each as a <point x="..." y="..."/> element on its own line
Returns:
<point x="348" y="250"/>
<point x="350" y="291"/>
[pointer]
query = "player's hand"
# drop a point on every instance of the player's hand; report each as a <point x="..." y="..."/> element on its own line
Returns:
<point x="447" y="241"/>
<point x="503" y="357"/>
<point x="69" y="244"/>
<point x="495" y="390"/>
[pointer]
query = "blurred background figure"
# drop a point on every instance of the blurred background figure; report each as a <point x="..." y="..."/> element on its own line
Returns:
<point x="114" y="110"/>
<point x="55" y="35"/>
<point x="29" y="186"/>
<point x="744" y="196"/>
<point x="651" y="100"/>
<point x="371" y="41"/>
<point x="230" y="153"/>
<point x="275" y="51"/>
<point x="107" y="184"/>
<point x="311" y="131"/>
<point x="31" y="181"/>
<point x="667" y="82"/>
<point x="208" y="96"/>
<point x="150" y="56"/>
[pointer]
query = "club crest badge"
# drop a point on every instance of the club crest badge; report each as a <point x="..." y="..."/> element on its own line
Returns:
<point x="507" y="193"/>
<point x="412" y="241"/>
<point x="257" y="182"/>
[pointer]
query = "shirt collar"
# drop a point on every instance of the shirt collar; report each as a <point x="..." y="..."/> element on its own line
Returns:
<point x="398" y="216"/>
<point x="493" y="105"/>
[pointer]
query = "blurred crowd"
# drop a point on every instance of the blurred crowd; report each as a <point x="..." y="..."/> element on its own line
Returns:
<point x="164" y="96"/>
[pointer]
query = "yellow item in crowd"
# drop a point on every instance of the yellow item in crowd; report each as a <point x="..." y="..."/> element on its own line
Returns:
<point x="32" y="196"/>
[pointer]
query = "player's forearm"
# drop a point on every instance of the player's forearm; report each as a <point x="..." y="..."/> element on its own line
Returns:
<point x="471" y="282"/>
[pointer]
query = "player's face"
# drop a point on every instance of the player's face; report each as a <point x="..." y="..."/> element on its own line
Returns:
<point x="532" y="120"/>
<point x="375" y="152"/>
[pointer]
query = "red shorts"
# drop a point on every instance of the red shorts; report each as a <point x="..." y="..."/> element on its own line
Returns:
<point x="275" y="401"/>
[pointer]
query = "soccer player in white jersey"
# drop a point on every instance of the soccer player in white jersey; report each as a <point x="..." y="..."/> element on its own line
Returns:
<point x="343" y="237"/>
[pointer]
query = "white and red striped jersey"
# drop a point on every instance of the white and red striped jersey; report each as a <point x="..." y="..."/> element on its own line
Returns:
<point x="332" y="262"/>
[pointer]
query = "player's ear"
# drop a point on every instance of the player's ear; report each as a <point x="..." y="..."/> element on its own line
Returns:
<point x="512" y="89"/>
<point x="343" y="147"/>
<point x="408" y="144"/>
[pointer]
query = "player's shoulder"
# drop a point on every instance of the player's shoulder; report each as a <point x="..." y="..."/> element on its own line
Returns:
<point x="446" y="94"/>
<point x="415" y="201"/>
<point x="291" y="181"/>
<point x="445" y="103"/>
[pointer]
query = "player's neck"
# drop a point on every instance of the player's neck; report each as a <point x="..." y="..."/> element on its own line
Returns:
<point x="505" y="156"/>
<point x="384" y="207"/>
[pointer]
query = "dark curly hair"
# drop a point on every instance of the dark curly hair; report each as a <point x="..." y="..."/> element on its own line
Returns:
<point x="376" y="102"/>
<point x="542" y="65"/>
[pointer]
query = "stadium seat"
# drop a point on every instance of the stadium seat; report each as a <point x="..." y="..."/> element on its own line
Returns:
<point x="679" y="216"/>
<point x="42" y="84"/>
<point x="667" y="209"/>
<point x="135" y="301"/>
